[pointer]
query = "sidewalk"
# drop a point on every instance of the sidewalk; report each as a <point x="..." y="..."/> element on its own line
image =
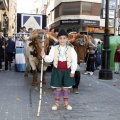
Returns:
<point x="98" y="99"/>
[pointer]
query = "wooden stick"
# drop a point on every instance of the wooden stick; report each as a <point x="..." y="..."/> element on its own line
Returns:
<point x="39" y="106"/>
<point x="4" y="53"/>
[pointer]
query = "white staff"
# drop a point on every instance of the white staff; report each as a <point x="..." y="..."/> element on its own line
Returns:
<point x="38" y="113"/>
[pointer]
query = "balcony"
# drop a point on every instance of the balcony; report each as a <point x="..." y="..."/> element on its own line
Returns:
<point x="3" y="4"/>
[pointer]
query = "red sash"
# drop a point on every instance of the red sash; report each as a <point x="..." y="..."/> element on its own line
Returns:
<point x="62" y="65"/>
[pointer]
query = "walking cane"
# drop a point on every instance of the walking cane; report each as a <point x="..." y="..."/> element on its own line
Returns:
<point x="4" y="53"/>
<point x="39" y="106"/>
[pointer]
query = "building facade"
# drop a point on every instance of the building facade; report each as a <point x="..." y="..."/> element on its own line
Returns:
<point x="40" y="7"/>
<point x="12" y="17"/>
<point x="4" y="7"/>
<point x="76" y="15"/>
<point x="8" y="12"/>
<point x="82" y="16"/>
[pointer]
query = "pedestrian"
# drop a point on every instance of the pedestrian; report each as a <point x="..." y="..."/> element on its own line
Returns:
<point x="24" y="30"/>
<point x="90" y="56"/>
<point x="10" y="50"/>
<point x="21" y="30"/>
<point x="64" y="60"/>
<point x="99" y="47"/>
<point x="1" y="49"/>
<point x="3" y="52"/>
<point x="77" y="80"/>
<point x="30" y="30"/>
<point x="117" y="59"/>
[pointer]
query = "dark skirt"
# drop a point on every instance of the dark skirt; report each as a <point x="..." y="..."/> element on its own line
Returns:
<point x="117" y="56"/>
<point x="61" y="78"/>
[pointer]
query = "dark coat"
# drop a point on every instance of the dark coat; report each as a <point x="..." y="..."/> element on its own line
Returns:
<point x="1" y="49"/>
<point x="10" y="48"/>
<point x="117" y="56"/>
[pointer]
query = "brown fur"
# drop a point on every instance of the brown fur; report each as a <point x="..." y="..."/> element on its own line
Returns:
<point x="36" y="45"/>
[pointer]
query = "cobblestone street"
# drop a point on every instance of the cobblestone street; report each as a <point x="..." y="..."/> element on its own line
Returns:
<point x="97" y="100"/>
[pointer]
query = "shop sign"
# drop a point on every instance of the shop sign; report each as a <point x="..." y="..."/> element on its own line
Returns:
<point x="66" y="22"/>
<point x="90" y="23"/>
<point x="99" y="30"/>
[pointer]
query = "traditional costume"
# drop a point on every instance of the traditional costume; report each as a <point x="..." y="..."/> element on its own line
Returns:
<point x="65" y="62"/>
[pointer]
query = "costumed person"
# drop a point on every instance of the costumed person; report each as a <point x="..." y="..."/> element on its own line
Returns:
<point x="64" y="60"/>
<point x="90" y="56"/>
<point x="117" y="59"/>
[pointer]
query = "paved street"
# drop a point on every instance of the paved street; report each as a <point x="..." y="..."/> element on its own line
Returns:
<point x="98" y="99"/>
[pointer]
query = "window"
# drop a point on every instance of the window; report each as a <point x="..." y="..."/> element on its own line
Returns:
<point x="86" y="8"/>
<point x="72" y="8"/>
<point x="96" y="9"/>
<point x="57" y="11"/>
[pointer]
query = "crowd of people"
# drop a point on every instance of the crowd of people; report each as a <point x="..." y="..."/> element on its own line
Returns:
<point x="7" y="51"/>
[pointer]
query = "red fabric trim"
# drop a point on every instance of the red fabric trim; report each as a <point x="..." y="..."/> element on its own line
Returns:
<point x="62" y="65"/>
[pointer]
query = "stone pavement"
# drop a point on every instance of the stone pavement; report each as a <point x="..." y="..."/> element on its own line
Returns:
<point x="98" y="99"/>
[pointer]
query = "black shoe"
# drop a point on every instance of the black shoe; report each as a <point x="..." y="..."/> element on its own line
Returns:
<point x="116" y="72"/>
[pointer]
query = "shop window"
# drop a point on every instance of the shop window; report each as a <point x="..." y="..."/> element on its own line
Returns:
<point x="86" y="8"/>
<point x="72" y="8"/>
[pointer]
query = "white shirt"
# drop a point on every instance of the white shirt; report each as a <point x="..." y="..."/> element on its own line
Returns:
<point x="62" y="57"/>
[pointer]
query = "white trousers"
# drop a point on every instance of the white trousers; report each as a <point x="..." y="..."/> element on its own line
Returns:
<point x="117" y="66"/>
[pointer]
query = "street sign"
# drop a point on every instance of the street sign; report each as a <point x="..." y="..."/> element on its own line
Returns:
<point x="112" y="8"/>
<point x="111" y="14"/>
<point x="112" y="4"/>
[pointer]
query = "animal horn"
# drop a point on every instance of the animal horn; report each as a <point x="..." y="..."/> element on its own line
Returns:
<point x="91" y="43"/>
<point x="25" y="38"/>
<point x="52" y="37"/>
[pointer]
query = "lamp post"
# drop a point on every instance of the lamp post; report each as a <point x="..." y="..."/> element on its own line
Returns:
<point x="105" y="72"/>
